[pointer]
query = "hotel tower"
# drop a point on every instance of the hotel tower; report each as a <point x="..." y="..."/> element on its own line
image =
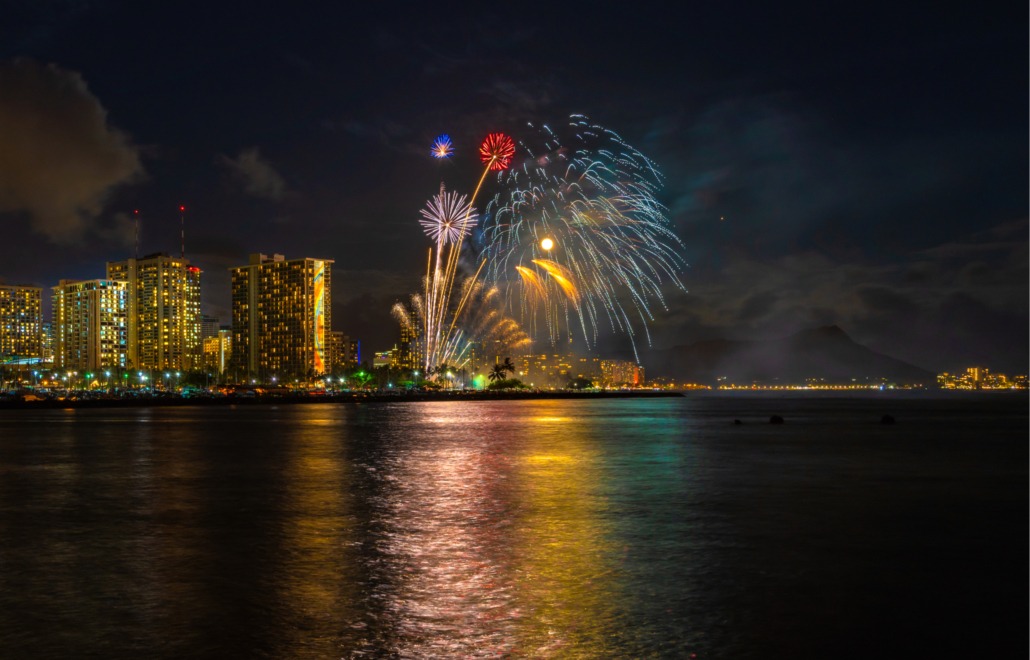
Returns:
<point x="89" y="324"/>
<point x="280" y="318"/>
<point x="164" y="311"/>
<point x="21" y="323"/>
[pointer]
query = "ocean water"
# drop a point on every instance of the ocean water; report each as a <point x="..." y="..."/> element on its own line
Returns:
<point x="626" y="528"/>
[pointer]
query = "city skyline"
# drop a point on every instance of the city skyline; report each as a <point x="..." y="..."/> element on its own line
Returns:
<point x="298" y="279"/>
<point x="865" y="172"/>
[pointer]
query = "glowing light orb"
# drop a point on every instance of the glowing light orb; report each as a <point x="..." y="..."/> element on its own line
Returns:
<point x="496" y="151"/>
<point x="442" y="147"/>
<point x="547" y="244"/>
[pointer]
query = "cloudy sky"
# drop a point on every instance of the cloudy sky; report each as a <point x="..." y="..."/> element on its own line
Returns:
<point x="862" y="166"/>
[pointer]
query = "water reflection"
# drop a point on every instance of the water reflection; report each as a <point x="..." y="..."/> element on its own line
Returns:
<point x="491" y="543"/>
<point x="519" y="529"/>
<point x="443" y="505"/>
<point x="566" y="555"/>
<point x="314" y="578"/>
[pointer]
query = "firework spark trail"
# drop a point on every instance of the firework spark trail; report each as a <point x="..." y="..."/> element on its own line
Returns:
<point x="595" y="197"/>
<point x="484" y="322"/>
<point x="448" y="220"/>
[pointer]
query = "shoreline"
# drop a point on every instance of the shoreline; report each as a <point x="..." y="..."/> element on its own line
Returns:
<point x="343" y="398"/>
<point x="417" y="397"/>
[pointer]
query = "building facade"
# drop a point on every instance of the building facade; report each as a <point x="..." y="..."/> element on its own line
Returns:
<point x="621" y="373"/>
<point x="556" y="369"/>
<point x="218" y="351"/>
<point x="281" y="318"/>
<point x="49" y="343"/>
<point x="343" y="351"/>
<point x="21" y="324"/>
<point x="407" y="354"/>
<point x="90" y="324"/>
<point x="209" y="326"/>
<point x="164" y="320"/>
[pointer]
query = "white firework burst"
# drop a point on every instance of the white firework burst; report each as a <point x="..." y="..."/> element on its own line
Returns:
<point x="448" y="217"/>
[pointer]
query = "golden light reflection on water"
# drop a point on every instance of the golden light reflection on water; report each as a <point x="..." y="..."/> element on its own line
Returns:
<point x="418" y="531"/>
<point x="446" y="590"/>
<point x="565" y="553"/>
<point x="549" y="419"/>
<point x="495" y="548"/>
<point x="315" y="535"/>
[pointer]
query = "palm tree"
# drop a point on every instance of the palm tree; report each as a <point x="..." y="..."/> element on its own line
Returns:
<point x="444" y="372"/>
<point x="508" y="366"/>
<point x="497" y="373"/>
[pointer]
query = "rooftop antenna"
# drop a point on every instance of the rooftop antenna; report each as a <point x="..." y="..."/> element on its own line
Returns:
<point x="135" y="214"/>
<point x="182" y="230"/>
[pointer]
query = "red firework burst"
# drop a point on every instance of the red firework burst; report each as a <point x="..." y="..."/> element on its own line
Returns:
<point x="496" y="151"/>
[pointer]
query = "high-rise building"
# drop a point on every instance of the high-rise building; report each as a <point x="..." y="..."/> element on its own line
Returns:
<point x="49" y="343"/>
<point x="209" y="326"/>
<point x="218" y="351"/>
<point x="620" y="373"/>
<point x="545" y="369"/>
<point x="21" y="323"/>
<point x="163" y="311"/>
<point x="281" y="317"/>
<point x="90" y="324"/>
<point x="408" y="355"/>
<point x="343" y="351"/>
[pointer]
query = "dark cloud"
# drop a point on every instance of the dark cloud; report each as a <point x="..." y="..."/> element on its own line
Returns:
<point x="757" y="306"/>
<point x="118" y="230"/>
<point x="949" y="304"/>
<point x="782" y="176"/>
<point x="880" y="299"/>
<point x="255" y="174"/>
<point x="59" y="157"/>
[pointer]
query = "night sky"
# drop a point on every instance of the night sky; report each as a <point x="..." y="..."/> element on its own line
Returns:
<point x="861" y="165"/>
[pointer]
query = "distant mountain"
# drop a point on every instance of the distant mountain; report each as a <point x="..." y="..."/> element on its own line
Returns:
<point x="825" y="353"/>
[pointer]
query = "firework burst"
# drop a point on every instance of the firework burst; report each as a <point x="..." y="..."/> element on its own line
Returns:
<point x="447" y="318"/>
<point x="483" y="321"/>
<point x="448" y="217"/>
<point x="444" y="322"/>
<point x="610" y="252"/>
<point x="442" y="147"/>
<point x="496" y="151"/>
